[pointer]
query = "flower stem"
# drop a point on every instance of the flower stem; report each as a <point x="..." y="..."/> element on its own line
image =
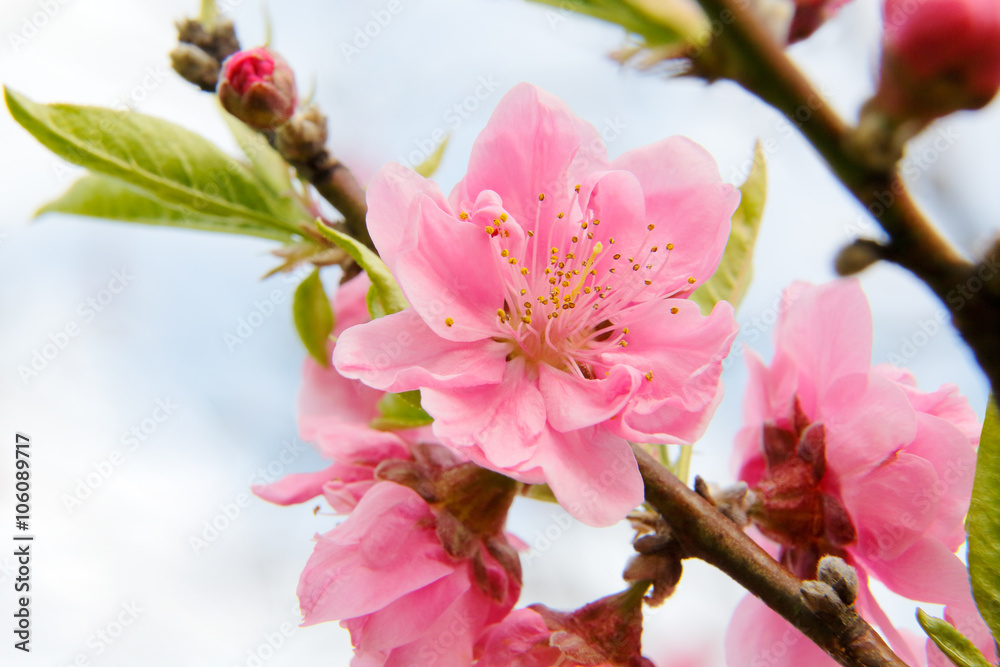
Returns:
<point x="706" y="533"/>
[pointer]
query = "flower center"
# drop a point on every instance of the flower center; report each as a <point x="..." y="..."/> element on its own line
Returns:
<point x="793" y="508"/>
<point x="569" y="290"/>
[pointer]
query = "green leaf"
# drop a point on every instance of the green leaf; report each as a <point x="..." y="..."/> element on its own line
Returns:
<point x="390" y="297"/>
<point x="266" y="162"/>
<point x="374" y="303"/>
<point x="659" y="22"/>
<point x="313" y="317"/>
<point x="952" y="643"/>
<point x="168" y="162"/>
<point x="399" y="412"/>
<point x="732" y="279"/>
<point x="209" y="13"/>
<point x="983" y="522"/>
<point x="430" y="165"/>
<point x="98" y="196"/>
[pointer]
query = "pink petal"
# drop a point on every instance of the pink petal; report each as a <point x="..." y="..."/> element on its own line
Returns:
<point x="883" y="508"/>
<point x="870" y="609"/>
<point x="396" y="196"/>
<point x="295" y="488"/>
<point x="827" y="331"/>
<point x="573" y="402"/>
<point x="451" y="273"/>
<point x="759" y="636"/>
<point x="399" y="352"/>
<point x="502" y="419"/>
<point x="954" y="460"/>
<point x="532" y="144"/>
<point x="349" y="303"/>
<point x="684" y="353"/>
<point x="867" y="418"/>
<point x="358" y="567"/>
<point x="592" y="473"/>
<point x="687" y="200"/>
<point x="521" y="640"/>
<point x="927" y="572"/>
<point x="328" y="398"/>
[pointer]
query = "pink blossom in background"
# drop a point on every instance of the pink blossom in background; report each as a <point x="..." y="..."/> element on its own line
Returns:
<point x="856" y="462"/>
<point x="384" y="573"/>
<point x="549" y="323"/>
<point x="939" y="56"/>
<point x="334" y="414"/>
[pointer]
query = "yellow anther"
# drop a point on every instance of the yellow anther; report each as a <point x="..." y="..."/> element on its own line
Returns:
<point x="583" y="225"/>
<point x="597" y="222"/>
<point x="565" y="283"/>
<point x="670" y="246"/>
<point x="651" y="227"/>
<point x="541" y="196"/>
<point x="611" y="240"/>
<point x="577" y="188"/>
<point x="500" y="313"/>
<point x="490" y="230"/>
<point x="623" y="344"/>
<point x="586" y="290"/>
<point x="463" y="215"/>
<point x="526" y="319"/>
<point x="590" y="235"/>
<point x="649" y="376"/>
<point x="504" y="253"/>
<point x="692" y="280"/>
<point x="524" y="270"/>
<point x="524" y="291"/>
<point x="555" y="251"/>
<point x="625" y="330"/>
<point x="552" y="280"/>
<point x="503" y="217"/>
<point x="560" y="215"/>
<point x="506" y="234"/>
<point x="617" y="255"/>
<point x="448" y="321"/>
<point x="674" y="310"/>
<point x="654" y="249"/>
<point x="648" y="282"/>
<point x="635" y="267"/>
<point x="576" y="239"/>
<point x="530" y="233"/>
<point x="513" y="260"/>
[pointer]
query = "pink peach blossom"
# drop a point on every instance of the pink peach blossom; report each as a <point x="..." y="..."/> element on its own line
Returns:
<point x="384" y="573"/>
<point x="258" y="87"/>
<point x="549" y="323"/>
<point x="854" y="462"/>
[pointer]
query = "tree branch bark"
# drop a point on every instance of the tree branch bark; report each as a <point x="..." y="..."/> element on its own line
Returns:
<point x="705" y="533"/>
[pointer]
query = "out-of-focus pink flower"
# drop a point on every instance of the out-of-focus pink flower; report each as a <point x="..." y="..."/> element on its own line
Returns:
<point x="384" y="573"/>
<point x="604" y="633"/>
<point x="855" y="462"/>
<point x="549" y="321"/>
<point x="335" y="414"/>
<point x="258" y="87"/>
<point x="939" y="56"/>
<point x="810" y="15"/>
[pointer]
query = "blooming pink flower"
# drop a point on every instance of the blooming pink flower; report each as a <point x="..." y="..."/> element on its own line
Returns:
<point x="258" y="87"/>
<point x="855" y="462"/>
<point x="939" y="56"/>
<point x="404" y="599"/>
<point x="335" y="413"/>
<point x="548" y="321"/>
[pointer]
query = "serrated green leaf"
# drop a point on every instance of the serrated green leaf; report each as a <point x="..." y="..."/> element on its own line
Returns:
<point x="430" y="165"/>
<point x="983" y="522"/>
<point x="732" y="279"/>
<point x="99" y="196"/>
<point x="658" y="22"/>
<point x="266" y="162"/>
<point x="952" y="643"/>
<point x="313" y="317"/>
<point x="390" y="297"/>
<point x="398" y="412"/>
<point x="171" y="164"/>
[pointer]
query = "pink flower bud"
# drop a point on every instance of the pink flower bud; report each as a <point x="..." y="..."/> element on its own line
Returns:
<point x="258" y="87"/>
<point x="939" y="56"/>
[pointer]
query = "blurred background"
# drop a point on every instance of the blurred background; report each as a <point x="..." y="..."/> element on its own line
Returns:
<point x="147" y="428"/>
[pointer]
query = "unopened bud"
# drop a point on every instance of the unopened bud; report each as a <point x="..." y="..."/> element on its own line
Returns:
<point x="196" y="66"/>
<point x="258" y="87"/>
<point x="857" y="256"/>
<point x="939" y="56"/>
<point x="303" y="137"/>
<point x="840" y="576"/>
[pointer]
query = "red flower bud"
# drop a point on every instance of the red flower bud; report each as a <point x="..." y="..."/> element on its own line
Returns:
<point x="939" y="56"/>
<point x="258" y="87"/>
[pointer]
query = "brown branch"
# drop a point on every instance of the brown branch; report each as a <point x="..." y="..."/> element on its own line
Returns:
<point x="746" y="54"/>
<point x="704" y="532"/>
<point x="301" y="141"/>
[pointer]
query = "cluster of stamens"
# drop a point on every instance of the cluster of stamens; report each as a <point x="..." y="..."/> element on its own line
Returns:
<point x="567" y="307"/>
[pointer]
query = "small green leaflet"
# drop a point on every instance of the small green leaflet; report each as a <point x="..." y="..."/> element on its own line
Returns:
<point x="313" y="317"/>
<point x="732" y="279"/>
<point x="430" y="165"/>
<point x="983" y="522"/>
<point x="399" y="411"/>
<point x="952" y="643"/>
<point x="390" y="298"/>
